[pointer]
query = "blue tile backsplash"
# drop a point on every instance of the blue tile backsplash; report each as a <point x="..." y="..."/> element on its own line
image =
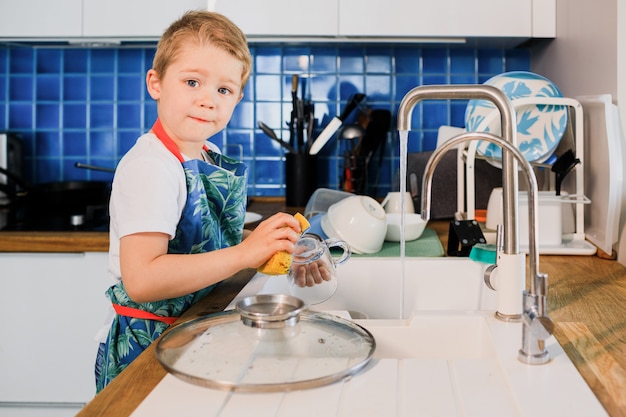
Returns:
<point x="89" y="105"/>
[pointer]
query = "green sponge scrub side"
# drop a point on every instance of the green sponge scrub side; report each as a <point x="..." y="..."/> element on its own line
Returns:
<point x="482" y="252"/>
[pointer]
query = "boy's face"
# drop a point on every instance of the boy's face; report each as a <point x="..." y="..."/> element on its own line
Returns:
<point x="197" y="95"/>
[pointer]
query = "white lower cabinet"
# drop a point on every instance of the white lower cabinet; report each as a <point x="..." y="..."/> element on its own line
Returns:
<point x="52" y="305"/>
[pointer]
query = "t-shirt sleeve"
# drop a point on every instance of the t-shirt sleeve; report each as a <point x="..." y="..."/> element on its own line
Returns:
<point x="148" y="195"/>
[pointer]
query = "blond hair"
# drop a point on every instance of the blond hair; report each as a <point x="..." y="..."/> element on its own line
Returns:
<point x="204" y="28"/>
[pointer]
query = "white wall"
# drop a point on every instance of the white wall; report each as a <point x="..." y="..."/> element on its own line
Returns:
<point x="588" y="57"/>
<point x="583" y="57"/>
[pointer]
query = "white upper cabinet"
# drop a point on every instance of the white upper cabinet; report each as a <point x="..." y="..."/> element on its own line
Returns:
<point x="297" y="18"/>
<point x="285" y="20"/>
<point x="135" y="18"/>
<point x="77" y="19"/>
<point x="41" y="18"/>
<point x="392" y="19"/>
<point x="435" y="18"/>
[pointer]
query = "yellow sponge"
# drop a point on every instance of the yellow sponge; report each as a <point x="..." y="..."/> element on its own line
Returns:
<point x="280" y="262"/>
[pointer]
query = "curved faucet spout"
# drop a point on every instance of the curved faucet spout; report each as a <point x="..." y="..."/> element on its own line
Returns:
<point x="509" y="133"/>
<point x="537" y="326"/>
<point x="533" y="205"/>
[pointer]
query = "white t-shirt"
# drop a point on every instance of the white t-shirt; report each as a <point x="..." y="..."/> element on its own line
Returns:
<point x="149" y="193"/>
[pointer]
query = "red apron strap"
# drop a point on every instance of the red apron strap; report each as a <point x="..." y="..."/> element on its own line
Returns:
<point x="160" y="133"/>
<point x="140" y="314"/>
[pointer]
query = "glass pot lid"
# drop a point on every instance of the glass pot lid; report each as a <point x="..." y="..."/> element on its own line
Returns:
<point x="270" y="343"/>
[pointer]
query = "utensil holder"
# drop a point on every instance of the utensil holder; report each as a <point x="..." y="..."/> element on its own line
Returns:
<point x="300" y="178"/>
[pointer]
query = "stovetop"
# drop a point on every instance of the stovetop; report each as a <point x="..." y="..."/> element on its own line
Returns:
<point x="25" y="219"/>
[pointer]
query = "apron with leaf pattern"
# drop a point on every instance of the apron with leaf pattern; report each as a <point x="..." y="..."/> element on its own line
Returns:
<point x="212" y="219"/>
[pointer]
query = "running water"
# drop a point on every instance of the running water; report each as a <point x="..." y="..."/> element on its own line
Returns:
<point x="404" y="139"/>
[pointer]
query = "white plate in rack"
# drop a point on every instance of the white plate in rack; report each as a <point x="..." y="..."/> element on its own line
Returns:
<point x="252" y="217"/>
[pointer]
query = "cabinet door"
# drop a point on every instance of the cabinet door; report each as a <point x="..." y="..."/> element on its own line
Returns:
<point x="443" y="18"/>
<point x="36" y="18"/>
<point x="52" y="305"/>
<point x="282" y="17"/>
<point x="135" y="18"/>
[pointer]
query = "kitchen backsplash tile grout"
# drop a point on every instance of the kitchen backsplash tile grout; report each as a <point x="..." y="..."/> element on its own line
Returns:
<point x="89" y="105"/>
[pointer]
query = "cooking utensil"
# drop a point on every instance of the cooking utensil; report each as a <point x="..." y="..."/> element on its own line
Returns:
<point x="59" y="197"/>
<point x="378" y="125"/>
<point x="93" y="167"/>
<point x="335" y="123"/>
<point x="272" y="135"/>
<point x="310" y="124"/>
<point x="563" y="166"/>
<point x="298" y="107"/>
<point x="354" y="134"/>
<point x="353" y="172"/>
<point x="375" y="133"/>
<point x="270" y="343"/>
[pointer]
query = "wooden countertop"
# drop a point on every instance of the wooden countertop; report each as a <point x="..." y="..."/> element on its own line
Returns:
<point x="586" y="300"/>
<point x="54" y="241"/>
<point x="95" y="241"/>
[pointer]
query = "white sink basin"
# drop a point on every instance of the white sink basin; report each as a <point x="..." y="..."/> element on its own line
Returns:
<point x="440" y="352"/>
<point x="432" y="336"/>
<point x="374" y="287"/>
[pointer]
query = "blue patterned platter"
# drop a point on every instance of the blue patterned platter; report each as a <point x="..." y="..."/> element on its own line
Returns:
<point x="539" y="127"/>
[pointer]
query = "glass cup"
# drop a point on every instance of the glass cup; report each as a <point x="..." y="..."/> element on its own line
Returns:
<point x="313" y="276"/>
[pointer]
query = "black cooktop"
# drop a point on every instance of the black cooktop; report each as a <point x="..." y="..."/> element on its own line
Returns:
<point x="93" y="219"/>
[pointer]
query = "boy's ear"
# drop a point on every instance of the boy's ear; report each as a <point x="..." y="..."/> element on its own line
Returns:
<point x="153" y="84"/>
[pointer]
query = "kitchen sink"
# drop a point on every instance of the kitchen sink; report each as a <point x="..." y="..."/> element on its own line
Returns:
<point x="385" y="288"/>
<point x="440" y="351"/>
<point x="432" y="336"/>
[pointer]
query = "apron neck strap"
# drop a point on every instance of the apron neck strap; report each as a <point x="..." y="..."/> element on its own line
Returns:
<point x="160" y="133"/>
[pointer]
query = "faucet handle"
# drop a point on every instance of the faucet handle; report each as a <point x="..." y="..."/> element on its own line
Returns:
<point x="537" y="327"/>
<point x="499" y="238"/>
<point x="540" y="326"/>
<point x="535" y="319"/>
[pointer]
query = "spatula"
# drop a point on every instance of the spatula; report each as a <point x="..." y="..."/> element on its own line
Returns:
<point x="562" y="166"/>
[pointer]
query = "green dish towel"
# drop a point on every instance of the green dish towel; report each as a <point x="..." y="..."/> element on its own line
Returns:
<point x="427" y="245"/>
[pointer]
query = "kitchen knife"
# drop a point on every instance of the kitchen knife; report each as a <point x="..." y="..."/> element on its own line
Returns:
<point x="335" y="124"/>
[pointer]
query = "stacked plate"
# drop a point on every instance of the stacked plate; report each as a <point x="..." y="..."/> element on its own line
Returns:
<point x="539" y="127"/>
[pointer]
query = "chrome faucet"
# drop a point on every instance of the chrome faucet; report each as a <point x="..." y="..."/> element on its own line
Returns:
<point x="513" y="301"/>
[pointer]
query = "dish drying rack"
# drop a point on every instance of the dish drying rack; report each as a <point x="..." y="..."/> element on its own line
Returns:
<point x="573" y="243"/>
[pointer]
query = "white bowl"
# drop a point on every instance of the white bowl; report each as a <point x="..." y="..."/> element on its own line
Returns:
<point x="414" y="226"/>
<point x="539" y="127"/>
<point x="359" y="221"/>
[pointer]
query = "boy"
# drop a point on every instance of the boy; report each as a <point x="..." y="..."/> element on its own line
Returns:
<point x="178" y="206"/>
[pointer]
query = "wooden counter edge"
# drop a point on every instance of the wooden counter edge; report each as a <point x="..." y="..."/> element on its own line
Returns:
<point x="134" y="384"/>
<point x="78" y="241"/>
<point x="54" y="242"/>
